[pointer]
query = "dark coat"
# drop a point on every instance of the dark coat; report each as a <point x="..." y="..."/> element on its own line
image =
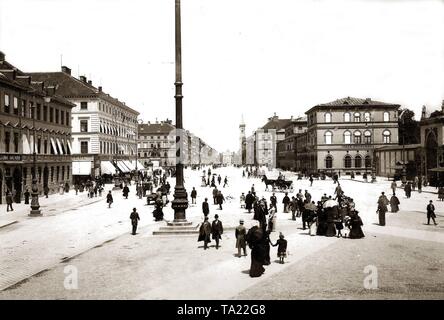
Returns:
<point x="193" y="194"/>
<point x="134" y="217"/>
<point x="217" y="229"/>
<point x="205" y="208"/>
<point x="204" y="232"/>
<point x="9" y="198"/>
<point x="109" y="198"/>
<point x="249" y="199"/>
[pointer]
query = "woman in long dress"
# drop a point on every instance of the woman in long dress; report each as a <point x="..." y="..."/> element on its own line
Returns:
<point x="355" y="225"/>
<point x="255" y="239"/>
<point x="394" y="203"/>
<point x="332" y="214"/>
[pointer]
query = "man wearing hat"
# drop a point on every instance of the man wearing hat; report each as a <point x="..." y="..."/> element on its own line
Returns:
<point x="217" y="230"/>
<point x="241" y="242"/>
<point x="431" y="213"/>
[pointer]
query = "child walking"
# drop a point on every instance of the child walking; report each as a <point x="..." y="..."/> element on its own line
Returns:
<point x="282" y="247"/>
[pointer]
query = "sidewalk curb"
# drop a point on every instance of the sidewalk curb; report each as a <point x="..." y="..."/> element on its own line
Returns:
<point x="7" y="224"/>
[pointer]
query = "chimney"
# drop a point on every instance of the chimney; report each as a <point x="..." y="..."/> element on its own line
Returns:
<point x="2" y="56"/>
<point x="90" y="82"/>
<point x="100" y="88"/>
<point x="66" y="70"/>
<point x="83" y="79"/>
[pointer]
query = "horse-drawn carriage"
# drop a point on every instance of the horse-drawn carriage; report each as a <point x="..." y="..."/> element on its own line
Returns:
<point x="279" y="184"/>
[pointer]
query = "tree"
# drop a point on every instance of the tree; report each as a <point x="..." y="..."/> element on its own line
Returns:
<point x="409" y="130"/>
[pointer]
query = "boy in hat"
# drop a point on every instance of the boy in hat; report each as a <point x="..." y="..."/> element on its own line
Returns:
<point x="282" y="247"/>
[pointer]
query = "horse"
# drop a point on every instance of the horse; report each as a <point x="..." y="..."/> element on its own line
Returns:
<point x="268" y="182"/>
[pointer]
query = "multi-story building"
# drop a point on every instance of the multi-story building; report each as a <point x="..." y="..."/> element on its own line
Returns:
<point x="287" y="148"/>
<point x="265" y="140"/>
<point x="342" y="135"/>
<point x="34" y="117"/>
<point x="227" y="158"/>
<point x="156" y="144"/>
<point x="432" y="145"/>
<point x="104" y="129"/>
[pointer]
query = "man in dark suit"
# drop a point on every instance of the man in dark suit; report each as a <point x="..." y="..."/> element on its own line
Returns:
<point x="431" y="213"/>
<point x="217" y="230"/>
<point x="134" y="217"/>
<point x="205" y="207"/>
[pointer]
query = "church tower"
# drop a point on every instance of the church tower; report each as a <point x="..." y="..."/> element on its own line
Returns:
<point x="242" y="143"/>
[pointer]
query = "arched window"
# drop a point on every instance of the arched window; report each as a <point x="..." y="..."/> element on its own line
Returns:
<point x="357" y="117"/>
<point x="328" y="137"/>
<point x="368" y="161"/>
<point x="386" y="116"/>
<point x="357" y="138"/>
<point x="347" y="137"/>
<point x="329" y="162"/>
<point x="358" y="161"/>
<point x="367" y="116"/>
<point x="386" y="136"/>
<point x="347" y="161"/>
<point x="367" y="137"/>
<point x="347" y="117"/>
<point x="327" y="117"/>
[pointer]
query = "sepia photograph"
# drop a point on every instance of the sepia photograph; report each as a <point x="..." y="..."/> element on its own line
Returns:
<point x="221" y="151"/>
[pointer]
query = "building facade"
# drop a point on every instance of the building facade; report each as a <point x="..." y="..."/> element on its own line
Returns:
<point x="342" y="135"/>
<point x="157" y="146"/>
<point x="432" y="147"/>
<point x="34" y="117"/>
<point x="104" y="129"/>
<point x="287" y="148"/>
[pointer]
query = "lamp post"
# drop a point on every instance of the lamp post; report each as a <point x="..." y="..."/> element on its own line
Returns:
<point x="180" y="202"/>
<point x="35" y="206"/>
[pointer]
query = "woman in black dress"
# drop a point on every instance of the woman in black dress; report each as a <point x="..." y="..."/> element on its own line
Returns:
<point x="355" y="224"/>
<point x="255" y="238"/>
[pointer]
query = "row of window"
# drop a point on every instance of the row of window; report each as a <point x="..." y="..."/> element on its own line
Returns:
<point x="152" y="154"/>
<point x="356" y="117"/>
<point x="348" y="160"/>
<point x="158" y="137"/>
<point x="12" y="141"/>
<point x="26" y="109"/>
<point x="358" y="138"/>
<point x="105" y="148"/>
<point x="110" y="110"/>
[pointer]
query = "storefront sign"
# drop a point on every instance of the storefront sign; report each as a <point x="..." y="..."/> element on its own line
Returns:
<point x="10" y="157"/>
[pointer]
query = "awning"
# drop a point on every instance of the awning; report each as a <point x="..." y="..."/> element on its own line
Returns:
<point x="140" y="166"/>
<point x="59" y="145"/>
<point x="26" y="147"/>
<point x="130" y="165"/>
<point x="81" y="168"/>
<point x="122" y="167"/>
<point x="107" y="167"/>
<point x="69" y="147"/>
<point x="54" y="146"/>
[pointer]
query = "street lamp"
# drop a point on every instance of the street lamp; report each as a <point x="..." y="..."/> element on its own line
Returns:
<point x="180" y="202"/>
<point x="35" y="206"/>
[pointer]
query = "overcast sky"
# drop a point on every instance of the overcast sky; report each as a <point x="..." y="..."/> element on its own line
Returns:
<point x="250" y="57"/>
